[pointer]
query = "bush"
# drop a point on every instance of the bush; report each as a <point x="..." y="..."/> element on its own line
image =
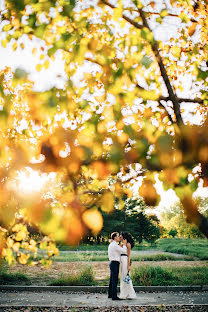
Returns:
<point x="173" y="232"/>
<point x="152" y="276"/>
<point x="84" y="278"/>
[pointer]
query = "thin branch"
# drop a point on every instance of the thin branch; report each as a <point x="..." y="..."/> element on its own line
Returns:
<point x="91" y="192"/>
<point x="169" y="116"/>
<point x="181" y="100"/>
<point x="169" y="14"/>
<point x="124" y="16"/>
<point x="93" y="61"/>
<point x="158" y="13"/>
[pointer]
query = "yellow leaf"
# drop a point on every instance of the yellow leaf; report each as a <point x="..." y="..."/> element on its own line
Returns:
<point x="163" y="13"/>
<point x="93" y="219"/>
<point x="184" y="17"/>
<point x="117" y="12"/>
<point x="14" y="47"/>
<point x="42" y="56"/>
<point x="176" y="51"/>
<point x="39" y="67"/>
<point x="107" y="202"/>
<point x="148" y="192"/>
<point x="46" y="64"/>
<point x="4" y="43"/>
<point x="8" y="255"/>
<point x="16" y="246"/>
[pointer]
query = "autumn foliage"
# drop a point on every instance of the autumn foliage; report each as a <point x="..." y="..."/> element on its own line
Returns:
<point x="125" y="118"/>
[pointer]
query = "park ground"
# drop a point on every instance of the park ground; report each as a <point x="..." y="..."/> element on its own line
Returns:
<point x="169" y="262"/>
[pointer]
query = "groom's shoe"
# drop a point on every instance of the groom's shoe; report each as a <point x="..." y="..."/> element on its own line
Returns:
<point x="117" y="298"/>
<point x="109" y="296"/>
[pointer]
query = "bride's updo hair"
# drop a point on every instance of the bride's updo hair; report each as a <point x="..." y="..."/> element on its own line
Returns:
<point x="129" y="238"/>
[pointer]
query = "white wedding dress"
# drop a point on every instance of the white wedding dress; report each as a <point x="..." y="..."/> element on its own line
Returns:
<point x="126" y="288"/>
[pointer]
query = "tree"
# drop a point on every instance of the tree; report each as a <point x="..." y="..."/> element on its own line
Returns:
<point x="132" y="218"/>
<point x="145" y="227"/>
<point x="126" y="119"/>
<point x="174" y="222"/>
<point x="173" y="232"/>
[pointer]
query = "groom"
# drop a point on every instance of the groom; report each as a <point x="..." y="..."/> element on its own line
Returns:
<point x="114" y="254"/>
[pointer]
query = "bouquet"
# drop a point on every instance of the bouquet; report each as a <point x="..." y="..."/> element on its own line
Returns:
<point x="127" y="278"/>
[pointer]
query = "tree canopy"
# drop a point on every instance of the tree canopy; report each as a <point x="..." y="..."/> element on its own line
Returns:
<point x="124" y="112"/>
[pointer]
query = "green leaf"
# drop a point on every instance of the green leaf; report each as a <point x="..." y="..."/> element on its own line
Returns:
<point x="20" y="73"/>
<point x="202" y="74"/>
<point x="52" y="50"/>
<point x="146" y="61"/>
<point x="52" y="102"/>
<point x="18" y="4"/>
<point x="40" y="30"/>
<point x="128" y="129"/>
<point x="32" y="20"/>
<point x="147" y="35"/>
<point x="194" y="185"/>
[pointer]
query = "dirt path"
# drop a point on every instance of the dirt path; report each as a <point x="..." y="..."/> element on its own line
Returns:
<point x="101" y="269"/>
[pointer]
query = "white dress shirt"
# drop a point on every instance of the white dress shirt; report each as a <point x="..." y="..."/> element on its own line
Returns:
<point x="115" y="251"/>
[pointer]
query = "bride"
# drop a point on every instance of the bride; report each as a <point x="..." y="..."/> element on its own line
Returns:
<point x="126" y="287"/>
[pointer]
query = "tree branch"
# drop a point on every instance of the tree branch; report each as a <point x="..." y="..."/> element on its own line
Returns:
<point x="169" y="14"/>
<point x="181" y="100"/>
<point x="169" y="116"/>
<point x="172" y="95"/>
<point x="155" y="49"/>
<point x="203" y="225"/>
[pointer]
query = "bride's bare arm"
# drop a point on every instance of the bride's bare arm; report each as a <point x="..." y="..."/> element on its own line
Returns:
<point x="128" y="253"/>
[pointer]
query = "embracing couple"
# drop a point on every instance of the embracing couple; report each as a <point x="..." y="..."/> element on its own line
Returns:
<point x="119" y="256"/>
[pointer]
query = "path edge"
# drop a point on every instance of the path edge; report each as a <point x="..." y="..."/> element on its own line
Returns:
<point x="100" y="289"/>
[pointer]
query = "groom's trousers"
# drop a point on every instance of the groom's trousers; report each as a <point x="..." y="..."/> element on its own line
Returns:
<point x="114" y="271"/>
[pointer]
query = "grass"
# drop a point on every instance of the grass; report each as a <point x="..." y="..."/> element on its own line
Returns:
<point x="161" y="257"/>
<point x="101" y="247"/>
<point x="192" y="247"/>
<point x="142" y="276"/>
<point x="84" y="278"/>
<point x="14" y="279"/>
<point x="169" y="276"/>
<point x="97" y="256"/>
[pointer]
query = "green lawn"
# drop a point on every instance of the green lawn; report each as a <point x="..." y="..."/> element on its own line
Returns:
<point x="98" y="256"/>
<point x="192" y="247"/>
<point x="101" y="247"/>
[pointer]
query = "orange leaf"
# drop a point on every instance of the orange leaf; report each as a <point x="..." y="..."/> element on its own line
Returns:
<point x="192" y="29"/>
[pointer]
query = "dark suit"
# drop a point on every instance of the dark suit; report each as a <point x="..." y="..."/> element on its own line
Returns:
<point x="114" y="271"/>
